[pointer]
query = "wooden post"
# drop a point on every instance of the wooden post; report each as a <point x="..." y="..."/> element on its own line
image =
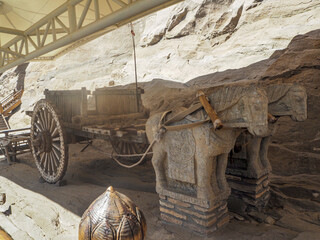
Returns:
<point x="7" y="154"/>
<point x="84" y="102"/>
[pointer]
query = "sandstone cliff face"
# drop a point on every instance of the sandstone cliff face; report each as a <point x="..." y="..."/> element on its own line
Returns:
<point x="211" y="42"/>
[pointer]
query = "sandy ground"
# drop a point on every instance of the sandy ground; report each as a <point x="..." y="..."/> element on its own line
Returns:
<point x="88" y="175"/>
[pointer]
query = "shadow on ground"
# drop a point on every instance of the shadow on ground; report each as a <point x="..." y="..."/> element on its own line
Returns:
<point x="295" y="150"/>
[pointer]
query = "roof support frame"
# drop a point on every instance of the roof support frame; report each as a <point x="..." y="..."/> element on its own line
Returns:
<point x="11" y="31"/>
<point x="72" y="29"/>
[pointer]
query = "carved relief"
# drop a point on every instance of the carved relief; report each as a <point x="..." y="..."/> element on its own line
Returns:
<point x="283" y="100"/>
<point x="239" y="108"/>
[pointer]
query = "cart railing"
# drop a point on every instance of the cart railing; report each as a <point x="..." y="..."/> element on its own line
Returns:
<point x="69" y="103"/>
<point x="10" y="102"/>
<point x="111" y="101"/>
<point x="14" y="142"/>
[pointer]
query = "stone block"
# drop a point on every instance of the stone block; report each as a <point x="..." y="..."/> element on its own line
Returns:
<point x="173" y="213"/>
<point x="249" y="193"/>
<point x="166" y="204"/>
<point x="201" y="220"/>
<point x="170" y="219"/>
<point x="179" y="203"/>
<point x="223" y="221"/>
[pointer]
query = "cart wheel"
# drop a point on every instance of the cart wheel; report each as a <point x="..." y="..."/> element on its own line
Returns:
<point x="129" y="148"/>
<point x="48" y="142"/>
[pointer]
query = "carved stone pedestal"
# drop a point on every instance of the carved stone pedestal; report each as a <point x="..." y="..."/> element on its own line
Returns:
<point x="248" y="193"/>
<point x="203" y="220"/>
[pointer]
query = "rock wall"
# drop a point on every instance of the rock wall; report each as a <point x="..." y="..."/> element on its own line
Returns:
<point x="220" y="41"/>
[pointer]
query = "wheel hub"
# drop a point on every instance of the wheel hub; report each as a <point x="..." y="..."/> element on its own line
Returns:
<point x="44" y="141"/>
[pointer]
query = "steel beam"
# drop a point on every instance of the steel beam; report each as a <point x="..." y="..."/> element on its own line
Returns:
<point x="72" y="28"/>
<point x="11" y="31"/>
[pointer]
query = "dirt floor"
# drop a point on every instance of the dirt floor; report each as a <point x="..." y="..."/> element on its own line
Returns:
<point x="90" y="173"/>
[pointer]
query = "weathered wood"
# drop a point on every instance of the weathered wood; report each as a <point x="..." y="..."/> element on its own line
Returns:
<point x="102" y="119"/>
<point x="114" y="91"/>
<point x="140" y="137"/>
<point x="210" y="111"/>
<point x="112" y="101"/>
<point x="69" y="102"/>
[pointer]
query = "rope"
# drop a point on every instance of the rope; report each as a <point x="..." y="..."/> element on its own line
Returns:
<point x="114" y="156"/>
<point x="162" y="128"/>
<point x="135" y="64"/>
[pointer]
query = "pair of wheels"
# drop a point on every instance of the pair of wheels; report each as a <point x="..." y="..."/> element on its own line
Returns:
<point x="49" y="146"/>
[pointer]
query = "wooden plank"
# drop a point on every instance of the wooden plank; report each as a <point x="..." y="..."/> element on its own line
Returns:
<point x="102" y="119"/>
<point x="114" y="91"/>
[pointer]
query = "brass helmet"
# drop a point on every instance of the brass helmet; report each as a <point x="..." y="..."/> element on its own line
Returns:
<point x="112" y="216"/>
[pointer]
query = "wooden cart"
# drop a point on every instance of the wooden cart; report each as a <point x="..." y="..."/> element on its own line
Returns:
<point x="63" y="117"/>
<point x="14" y="142"/>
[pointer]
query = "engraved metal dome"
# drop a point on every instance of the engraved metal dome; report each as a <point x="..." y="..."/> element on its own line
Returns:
<point x="112" y="216"/>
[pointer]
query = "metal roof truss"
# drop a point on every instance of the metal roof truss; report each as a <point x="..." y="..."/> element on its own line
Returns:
<point x="62" y="27"/>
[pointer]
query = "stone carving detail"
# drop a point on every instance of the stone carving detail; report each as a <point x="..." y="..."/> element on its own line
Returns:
<point x="190" y="164"/>
<point x="249" y="167"/>
<point x="181" y="146"/>
<point x="239" y="107"/>
<point x="283" y="100"/>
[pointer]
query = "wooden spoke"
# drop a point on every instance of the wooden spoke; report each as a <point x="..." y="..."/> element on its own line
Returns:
<point x="56" y="153"/>
<point x="56" y="146"/>
<point x="122" y="147"/>
<point x="131" y="150"/>
<point x="55" y="158"/>
<point x="42" y="159"/>
<point x="45" y="162"/>
<point x="52" y="126"/>
<point x="48" y="142"/>
<point x="128" y="148"/>
<point x="46" y="118"/>
<point x="52" y="162"/>
<point x="39" y="126"/>
<point x="49" y="164"/>
<point x="135" y="147"/>
<point x="56" y="139"/>
<point x="41" y="120"/>
<point x="55" y="132"/>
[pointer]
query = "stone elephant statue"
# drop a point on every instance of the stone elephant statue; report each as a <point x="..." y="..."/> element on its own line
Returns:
<point x="193" y="161"/>
<point x="283" y="100"/>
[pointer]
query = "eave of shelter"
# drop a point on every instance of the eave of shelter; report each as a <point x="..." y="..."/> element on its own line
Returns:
<point x="42" y="30"/>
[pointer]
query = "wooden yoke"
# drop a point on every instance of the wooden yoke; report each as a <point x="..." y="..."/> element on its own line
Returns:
<point x="271" y="118"/>
<point x="217" y="124"/>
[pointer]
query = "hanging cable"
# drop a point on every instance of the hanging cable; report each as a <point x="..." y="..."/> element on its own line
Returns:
<point x="135" y="64"/>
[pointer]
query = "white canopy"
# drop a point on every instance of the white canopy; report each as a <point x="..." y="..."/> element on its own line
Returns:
<point x="41" y="29"/>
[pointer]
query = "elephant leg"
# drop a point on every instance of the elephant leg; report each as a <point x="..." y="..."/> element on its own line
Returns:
<point x="158" y="159"/>
<point x="253" y="150"/>
<point x="264" y="153"/>
<point x="204" y="168"/>
<point x="222" y="161"/>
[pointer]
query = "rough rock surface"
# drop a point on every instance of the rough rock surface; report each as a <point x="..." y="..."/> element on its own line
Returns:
<point x="36" y="205"/>
<point x="197" y="37"/>
<point x="26" y="215"/>
<point x="220" y="41"/>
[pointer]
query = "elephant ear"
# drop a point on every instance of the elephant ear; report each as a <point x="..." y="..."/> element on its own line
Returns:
<point x="224" y="97"/>
<point x="277" y="91"/>
<point x="104" y="230"/>
<point x="85" y="229"/>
